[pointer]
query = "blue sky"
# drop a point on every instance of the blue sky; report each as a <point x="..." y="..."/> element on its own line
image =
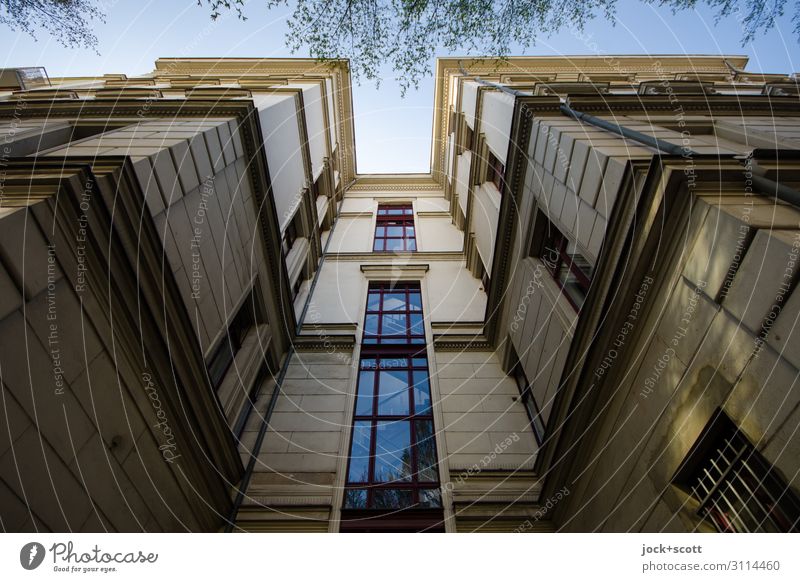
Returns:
<point x="392" y="133"/>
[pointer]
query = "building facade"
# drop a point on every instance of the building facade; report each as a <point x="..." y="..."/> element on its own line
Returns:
<point x="580" y="320"/>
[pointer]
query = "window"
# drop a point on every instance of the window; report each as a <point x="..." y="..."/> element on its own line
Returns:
<point x="394" y="316"/>
<point x="393" y="462"/>
<point x="572" y="272"/>
<point x="736" y="487"/>
<point x="495" y="172"/>
<point x="469" y="137"/>
<point x="230" y="344"/>
<point x="289" y="236"/>
<point x="394" y="228"/>
<point x="526" y="396"/>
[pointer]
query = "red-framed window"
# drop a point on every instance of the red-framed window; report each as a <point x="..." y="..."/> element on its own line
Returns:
<point x="394" y="316"/>
<point x="495" y="172"/>
<point x="568" y="267"/>
<point x="394" y="228"/>
<point x="393" y="463"/>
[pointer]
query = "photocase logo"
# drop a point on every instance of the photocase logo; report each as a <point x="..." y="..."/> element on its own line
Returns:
<point x="31" y="555"/>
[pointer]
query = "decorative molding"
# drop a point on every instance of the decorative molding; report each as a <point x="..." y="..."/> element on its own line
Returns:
<point x="456" y="324"/>
<point x="357" y="214"/>
<point x="394" y="271"/>
<point x="461" y="343"/>
<point x="433" y="214"/>
<point x="398" y="256"/>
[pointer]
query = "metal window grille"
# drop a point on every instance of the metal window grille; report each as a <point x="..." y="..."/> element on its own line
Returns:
<point x="736" y="487"/>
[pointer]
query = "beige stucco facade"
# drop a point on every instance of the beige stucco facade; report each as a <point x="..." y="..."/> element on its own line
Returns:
<point x="186" y="260"/>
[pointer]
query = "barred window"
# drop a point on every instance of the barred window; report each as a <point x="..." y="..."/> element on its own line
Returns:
<point x="736" y="487"/>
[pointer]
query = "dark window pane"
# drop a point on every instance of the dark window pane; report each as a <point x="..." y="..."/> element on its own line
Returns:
<point x="366" y="391"/>
<point x="355" y="499"/>
<point x="393" y="393"/>
<point x="394" y="302"/>
<point x="430" y="498"/>
<point x="422" y="393"/>
<point x="426" y="451"/>
<point x="359" y="453"/>
<point x="391" y="498"/>
<point x="419" y="362"/>
<point x="371" y="325"/>
<point x="393" y="451"/>
<point x="394" y="324"/>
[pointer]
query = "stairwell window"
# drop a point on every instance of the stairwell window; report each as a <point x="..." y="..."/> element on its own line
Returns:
<point x="393" y="463"/>
<point x="394" y="229"/>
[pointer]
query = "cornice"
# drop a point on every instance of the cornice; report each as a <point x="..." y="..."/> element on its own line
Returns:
<point x="433" y="214"/>
<point x="394" y="271"/>
<point x="461" y="343"/>
<point x="407" y="256"/>
<point x="449" y="67"/>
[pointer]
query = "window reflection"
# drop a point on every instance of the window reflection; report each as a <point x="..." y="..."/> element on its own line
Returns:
<point x="393" y="462"/>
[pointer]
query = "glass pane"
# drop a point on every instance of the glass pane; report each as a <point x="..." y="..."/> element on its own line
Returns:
<point x="394" y="324"/>
<point x="394" y="231"/>
<point x="393" y="451"/>
<point x="419" y="362"/>
<point x="422" y="393"/>
<point x="371" y="325"/>
<point x="394" y="301"/>
<point x="394" y="244"/>
<point x="366" y="392"/>
<point x="368" y="364"/>
<point x="430" y="498"/>
<point x="380" y="231"/>
<point x="378" y="244"/>
<point x="415" y="301"/>
<point x="426" y="451"/>
<point x="395" y="211"/>
<point x="355" y="499"/>
<point x="393" y="363"/>
<point x="409" y="232"/>
<point x="359" y="453"/>
<point x="409" y="211"/>
<point x="393" y="393"/>
<point x="373" y="301"/>
<point x="416" y="324"/>
<point x="411" y="245"/>
<point x="391" y="498"/>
